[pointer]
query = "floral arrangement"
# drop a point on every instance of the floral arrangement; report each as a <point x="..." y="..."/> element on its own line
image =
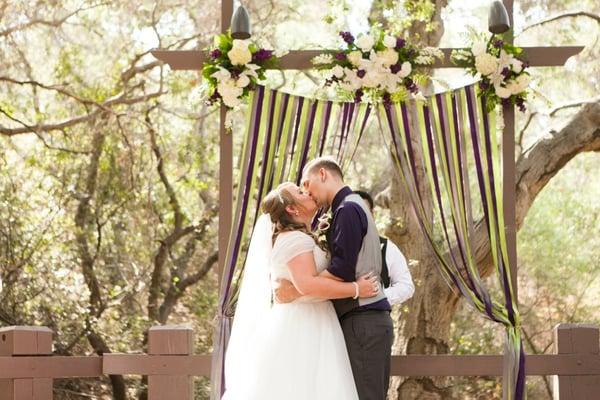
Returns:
<point x="323" y="224"/>
<point x="504" y="79"/>
<point x="376" y="67"/>
<point x="233" y="69"/>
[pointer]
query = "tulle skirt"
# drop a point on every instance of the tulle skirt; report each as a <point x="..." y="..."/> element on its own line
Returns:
<point x="298" y="353"/>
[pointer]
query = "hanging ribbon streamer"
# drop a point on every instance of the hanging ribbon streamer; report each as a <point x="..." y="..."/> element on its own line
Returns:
<point x="284" y="133"/>
<point x="440" y="146"/>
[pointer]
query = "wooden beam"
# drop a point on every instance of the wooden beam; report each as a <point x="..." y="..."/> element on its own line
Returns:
<point x="301" y="59"/>
<point x="50" y="367"/>
<point x="199" y="365"/>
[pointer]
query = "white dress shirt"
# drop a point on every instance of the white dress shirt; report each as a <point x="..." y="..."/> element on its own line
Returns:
<point x="401" y="283"/>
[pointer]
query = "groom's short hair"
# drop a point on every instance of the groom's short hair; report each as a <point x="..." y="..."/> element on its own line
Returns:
<point x="325" y="162"/>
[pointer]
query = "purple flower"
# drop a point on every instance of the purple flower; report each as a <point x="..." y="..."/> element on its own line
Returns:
<point x="262" y="55"/>
<point x="498" y="43"/>
<point x="505" y="72"/>
<point x="340" y="56"/>
<point x="506" y="102"/>
<point x="400" y="43"/>
<point x="216" y="53"/>
<point x="411" y="86"/>
<point x="358" y="96"/>
<point x="483" y="85"/>
<point x="347" y="36"/>
<point x="361" y="73"/>
<point x="522" y="108"/>
<point x="395" y="68"/>
<point x="328" y="82"/>
<point x="525" y="64"/>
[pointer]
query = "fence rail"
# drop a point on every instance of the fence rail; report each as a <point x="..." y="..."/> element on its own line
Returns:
<point x="27" y="366"/>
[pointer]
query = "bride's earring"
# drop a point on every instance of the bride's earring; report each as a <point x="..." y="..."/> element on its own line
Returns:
<point x="296" y="213"/>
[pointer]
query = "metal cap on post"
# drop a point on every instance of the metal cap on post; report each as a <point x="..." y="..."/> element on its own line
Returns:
<point x="240" y="24"/>
<point x="498" y="21"/>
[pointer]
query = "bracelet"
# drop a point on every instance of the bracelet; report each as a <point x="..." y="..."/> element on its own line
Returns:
<point x="355" y="290"/>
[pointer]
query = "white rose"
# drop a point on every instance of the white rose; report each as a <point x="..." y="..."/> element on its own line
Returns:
<point x="243" y="81"/>
<point x="354" y="57"/>
<point x="365" y="42"/>
<point x="388" y="57"/>
<point x="405" y="70"/>
<point x="486" y="64"/>
<point x="478" y="48"/>
<point x="389" y="41"/>
<point x="502" y="92"/>
<point x="239" y="54"/>
<point x="337" y="71"/>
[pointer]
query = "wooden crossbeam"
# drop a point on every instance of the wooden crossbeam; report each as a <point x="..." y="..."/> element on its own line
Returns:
<point x="199" y="365"/>
<point x="301" y="59"/>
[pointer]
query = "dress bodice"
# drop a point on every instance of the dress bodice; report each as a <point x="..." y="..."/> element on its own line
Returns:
<point x="289" y="245"/>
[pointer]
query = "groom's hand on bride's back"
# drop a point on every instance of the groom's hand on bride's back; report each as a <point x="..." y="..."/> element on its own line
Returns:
<point x="284" y="291"/>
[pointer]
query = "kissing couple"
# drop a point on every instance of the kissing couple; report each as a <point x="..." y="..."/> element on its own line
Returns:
<point x="312" y="320"/>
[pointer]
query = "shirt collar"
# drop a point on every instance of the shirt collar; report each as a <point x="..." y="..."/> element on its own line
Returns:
<point x="339" y="196"/>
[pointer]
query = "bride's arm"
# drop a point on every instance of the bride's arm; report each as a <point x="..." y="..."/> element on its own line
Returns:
<point x="308" y="282"/>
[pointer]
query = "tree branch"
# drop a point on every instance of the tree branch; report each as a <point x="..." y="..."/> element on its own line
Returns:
<point x="573" y="14"/>
<point x="121" y="100"/>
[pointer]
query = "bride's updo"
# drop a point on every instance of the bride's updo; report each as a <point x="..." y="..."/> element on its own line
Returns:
<point x="274" y="204"/>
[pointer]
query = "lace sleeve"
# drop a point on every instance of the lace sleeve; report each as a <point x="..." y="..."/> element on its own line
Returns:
<point x="291" y="244"/>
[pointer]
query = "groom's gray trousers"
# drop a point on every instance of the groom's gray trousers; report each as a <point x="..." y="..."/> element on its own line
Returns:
<point x="369" y="335"/>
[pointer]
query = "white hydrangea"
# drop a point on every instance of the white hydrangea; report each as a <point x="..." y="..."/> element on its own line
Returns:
<point x="432" y="52"/>
<point x="365" y="42"/>
<point x="486" y="64"/>
<point x="240" y="53"/>
<point x="322" y="59"/>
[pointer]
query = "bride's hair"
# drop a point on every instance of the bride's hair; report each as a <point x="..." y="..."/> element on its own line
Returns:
<point x="274" y="204"/>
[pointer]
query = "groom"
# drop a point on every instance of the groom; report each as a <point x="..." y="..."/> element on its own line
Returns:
<point x="355" y="250"/>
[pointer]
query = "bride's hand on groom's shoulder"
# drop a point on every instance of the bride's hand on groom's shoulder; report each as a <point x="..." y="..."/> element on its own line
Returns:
<point x="368" y="285"/>
<point x="284" y="291"/>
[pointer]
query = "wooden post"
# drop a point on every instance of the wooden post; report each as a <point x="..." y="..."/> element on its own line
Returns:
<point x="576" y="339"/>
<point x="25" y="341"/>
<point x="225" y="163"/>
<point x="170" y="340"/>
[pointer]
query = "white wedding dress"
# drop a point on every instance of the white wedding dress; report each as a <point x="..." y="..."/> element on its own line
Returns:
<point x="297" y="351"/>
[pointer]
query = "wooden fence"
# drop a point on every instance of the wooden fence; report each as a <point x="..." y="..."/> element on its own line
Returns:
<point x="27" y="366"/>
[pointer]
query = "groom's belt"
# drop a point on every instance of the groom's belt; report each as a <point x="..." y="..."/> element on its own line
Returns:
<point x="358" y="311"/>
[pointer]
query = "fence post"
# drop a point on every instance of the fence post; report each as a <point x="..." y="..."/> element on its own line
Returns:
<point x="576" y="339"/>
<point x="170" y="340"/>
<point x="25" y="341"/>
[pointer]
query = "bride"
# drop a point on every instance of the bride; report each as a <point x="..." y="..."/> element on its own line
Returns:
<point x="292" y="351"/>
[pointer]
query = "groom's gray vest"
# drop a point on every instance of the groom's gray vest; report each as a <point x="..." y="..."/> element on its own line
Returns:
<point x="369" y="260"/>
